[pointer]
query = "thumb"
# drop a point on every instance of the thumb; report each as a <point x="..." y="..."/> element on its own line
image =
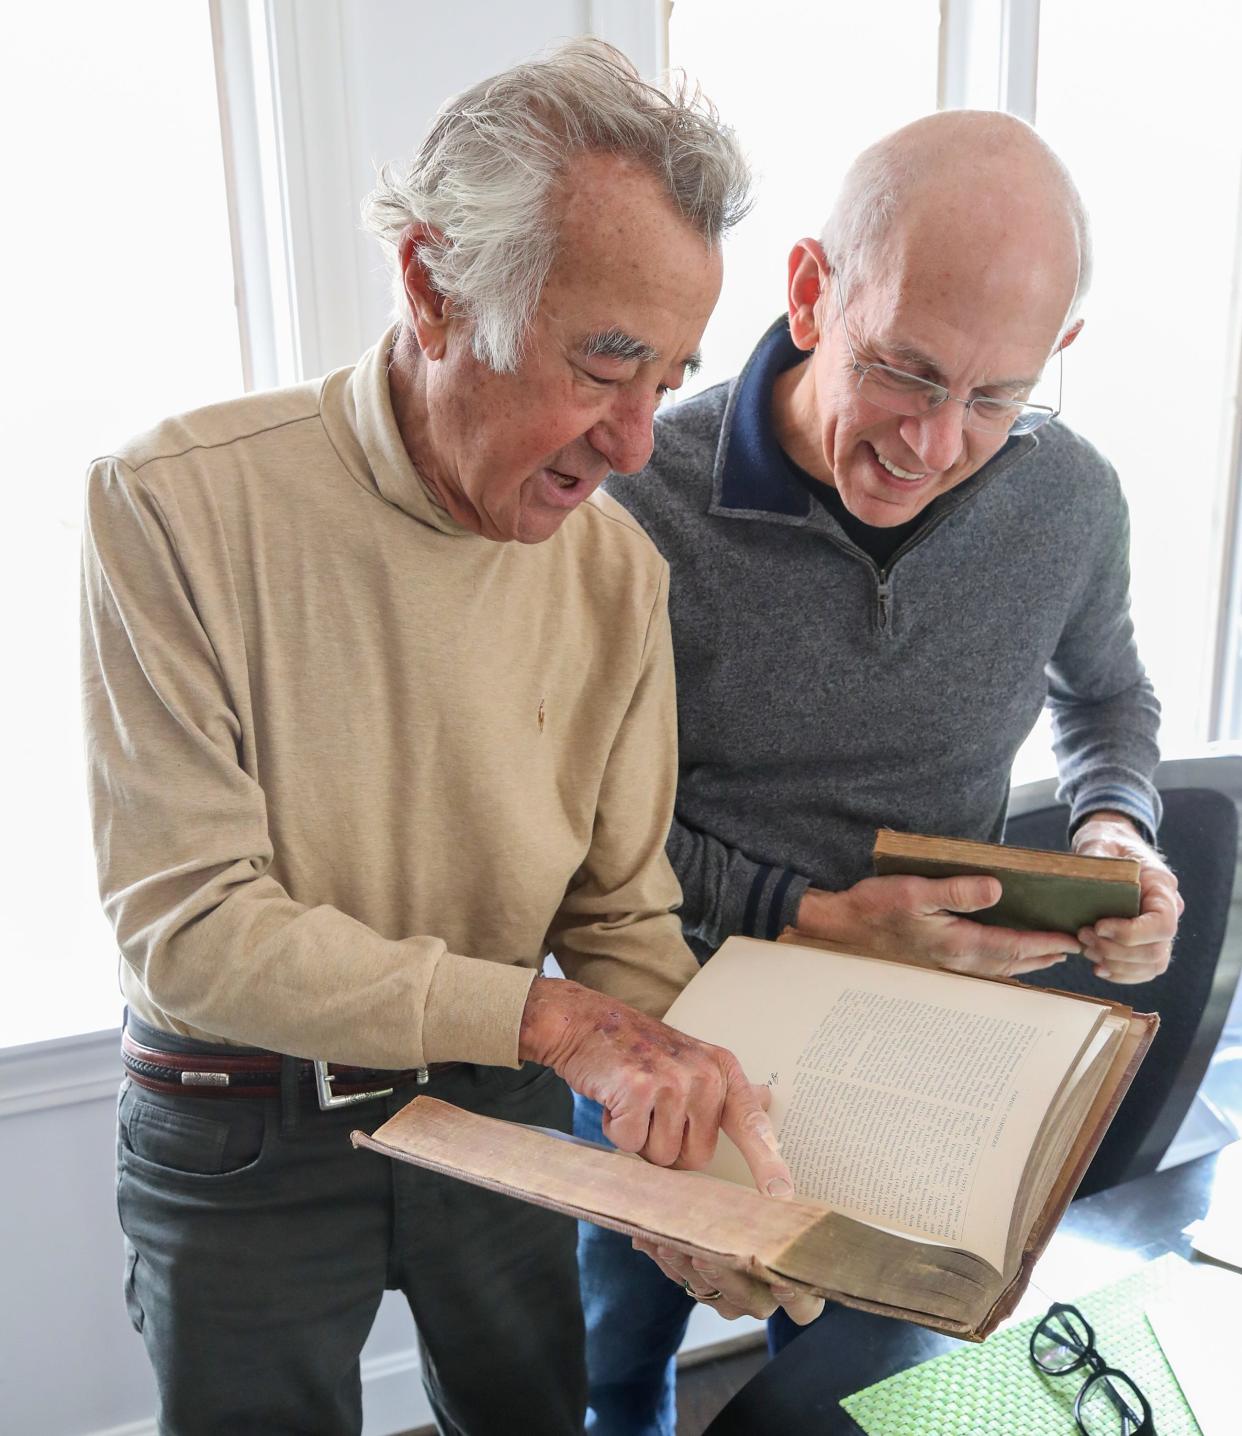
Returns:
<point x="746" y="1124"/>
<point x="965" y="893"/>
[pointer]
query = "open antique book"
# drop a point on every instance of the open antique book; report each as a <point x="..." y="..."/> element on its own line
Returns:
<point x="936" y="1126"/>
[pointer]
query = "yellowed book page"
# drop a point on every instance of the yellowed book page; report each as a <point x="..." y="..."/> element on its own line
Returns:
<point x="1062" y="1126"/>
<point x="903" y="1097"/>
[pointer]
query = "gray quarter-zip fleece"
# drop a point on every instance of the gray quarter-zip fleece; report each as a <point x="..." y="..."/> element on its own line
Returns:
<point x="820" y="696"/>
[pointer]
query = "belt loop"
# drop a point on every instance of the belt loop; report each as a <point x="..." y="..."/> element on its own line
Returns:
<point x="290" y="1106"/>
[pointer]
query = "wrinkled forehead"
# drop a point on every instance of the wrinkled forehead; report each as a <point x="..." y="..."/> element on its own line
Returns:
<point x="624" y="252"/>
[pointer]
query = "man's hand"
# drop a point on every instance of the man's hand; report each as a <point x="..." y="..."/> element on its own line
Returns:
<point x="732" y="1293"/>
<point x="1132" y="949"/>
<point x="920" y="919"/>
<point x="664" y="1095"/>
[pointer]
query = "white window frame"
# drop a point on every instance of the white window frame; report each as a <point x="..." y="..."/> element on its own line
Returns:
<point x="302" y="265"/>
<point x="283" y="80"/>
<point x="267" y="320"/>
<point x="1004" y="76"/>
<point x="1226" y="710"/>
<point x="989" y="55"/>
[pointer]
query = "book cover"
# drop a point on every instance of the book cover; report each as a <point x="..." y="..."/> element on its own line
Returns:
<point x="1040" y="891"/>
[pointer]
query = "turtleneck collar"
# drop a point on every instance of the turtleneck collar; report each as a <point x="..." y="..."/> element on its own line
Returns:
<point x="356" y="407"/>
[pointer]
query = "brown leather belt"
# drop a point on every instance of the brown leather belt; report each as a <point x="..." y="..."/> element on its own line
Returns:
<point x="253" y="1074"/>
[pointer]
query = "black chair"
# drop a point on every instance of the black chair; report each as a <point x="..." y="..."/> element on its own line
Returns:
<point x="1199" y="837"/>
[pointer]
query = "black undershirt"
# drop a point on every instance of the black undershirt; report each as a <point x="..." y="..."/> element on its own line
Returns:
<point x="879" y="544"/>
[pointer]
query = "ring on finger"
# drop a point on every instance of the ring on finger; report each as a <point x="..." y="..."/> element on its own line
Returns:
<point x="713" y="1295"/>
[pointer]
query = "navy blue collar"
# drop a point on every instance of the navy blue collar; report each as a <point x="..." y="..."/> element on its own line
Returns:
<point x="755" y="475"/>
<point x="752" y="476"/>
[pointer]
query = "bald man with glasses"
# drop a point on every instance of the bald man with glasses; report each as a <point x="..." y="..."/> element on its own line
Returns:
<point x="887" y="558"/>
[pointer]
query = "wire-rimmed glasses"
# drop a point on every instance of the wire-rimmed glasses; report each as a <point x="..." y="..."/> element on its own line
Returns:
<point x="1108" y="1403"/>
<point x="902" y="393"/>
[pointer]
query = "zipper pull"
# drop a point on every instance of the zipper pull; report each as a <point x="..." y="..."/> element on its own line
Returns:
<point x="884" y="594"/>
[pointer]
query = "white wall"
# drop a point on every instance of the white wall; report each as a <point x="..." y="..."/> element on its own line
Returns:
<point x="361" y="81"/>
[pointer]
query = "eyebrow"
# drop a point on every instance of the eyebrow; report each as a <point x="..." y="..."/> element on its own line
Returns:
<point x="625" y="349"/>
<point x="908" y="354"/>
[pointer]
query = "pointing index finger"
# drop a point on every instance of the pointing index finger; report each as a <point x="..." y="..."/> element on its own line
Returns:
<point x="746" y="1125"/>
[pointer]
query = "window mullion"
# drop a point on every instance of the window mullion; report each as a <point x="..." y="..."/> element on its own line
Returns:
<point x="638" y="29"/>
<point x="266" y="315"/>
<point x="1225" y="714"/>
<point x="989" y="55"/>
<point x="1019" y="58"/>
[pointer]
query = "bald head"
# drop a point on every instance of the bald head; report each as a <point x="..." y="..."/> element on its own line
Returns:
<point x="973" y="195"/>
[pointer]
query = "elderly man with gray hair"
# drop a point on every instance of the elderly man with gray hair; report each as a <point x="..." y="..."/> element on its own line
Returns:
<point x="887" y="556"/>
<point x="379" y="705"/>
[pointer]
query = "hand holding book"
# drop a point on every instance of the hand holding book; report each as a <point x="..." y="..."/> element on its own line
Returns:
<point x="932" y="921"/>
<point x="1139" y="948"/>
<point x="1113" y="895"/>
<point x="731" y="1291"/>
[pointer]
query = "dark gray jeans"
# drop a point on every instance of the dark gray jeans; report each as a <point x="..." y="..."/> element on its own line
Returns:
<point x="259" y="1243"/>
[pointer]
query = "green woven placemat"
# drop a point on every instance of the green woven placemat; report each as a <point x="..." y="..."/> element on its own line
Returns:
<point x="994" y="1390"/>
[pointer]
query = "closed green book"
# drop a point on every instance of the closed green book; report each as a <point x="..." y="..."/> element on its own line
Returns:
<point x="1041" y="891"/>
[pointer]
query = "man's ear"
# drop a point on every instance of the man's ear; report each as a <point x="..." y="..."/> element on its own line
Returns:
<point x="1070" y="334"/>
<point x="809" y="273"/>
<point x="428" y="308"/>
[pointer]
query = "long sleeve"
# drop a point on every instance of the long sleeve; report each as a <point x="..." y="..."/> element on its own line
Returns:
<point x="1105" y="714"/>
<point x="726" y="892"/>
<point x="616" y="930"/>
<point x="185" y="850"/>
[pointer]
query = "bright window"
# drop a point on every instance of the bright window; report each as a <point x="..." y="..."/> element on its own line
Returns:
<point x="1143" y="104"/>
<point x="118" y="310"/>
<point x="806" y="86"/>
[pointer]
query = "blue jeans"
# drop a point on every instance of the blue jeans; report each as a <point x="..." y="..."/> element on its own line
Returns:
<point x="635" y="1320"/>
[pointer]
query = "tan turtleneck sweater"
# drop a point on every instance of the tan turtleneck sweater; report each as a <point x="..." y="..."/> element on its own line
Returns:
<point x="354" y="770"/>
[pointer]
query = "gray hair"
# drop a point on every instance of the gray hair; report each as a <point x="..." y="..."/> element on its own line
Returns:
<point x="485" y="179"/>
<point x="883" y="177"/>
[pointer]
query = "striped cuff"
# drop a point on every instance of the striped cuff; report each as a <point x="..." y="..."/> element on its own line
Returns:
<point x="772" y="901"/>
<point x="1116" y="800"/>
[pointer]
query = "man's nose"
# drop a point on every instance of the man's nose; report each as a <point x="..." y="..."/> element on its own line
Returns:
<point x="624" y="434"/>
<point x="937" y="436"/>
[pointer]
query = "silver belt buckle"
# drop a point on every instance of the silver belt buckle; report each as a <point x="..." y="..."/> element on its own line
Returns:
<point x="328" y="1099"/>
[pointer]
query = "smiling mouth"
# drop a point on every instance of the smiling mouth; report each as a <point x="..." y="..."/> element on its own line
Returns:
<point x="896" y="472"/>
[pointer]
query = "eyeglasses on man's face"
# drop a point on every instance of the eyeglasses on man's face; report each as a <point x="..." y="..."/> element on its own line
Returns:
<point x="1108" y="1403"/>
<point x="902" y="393"/>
